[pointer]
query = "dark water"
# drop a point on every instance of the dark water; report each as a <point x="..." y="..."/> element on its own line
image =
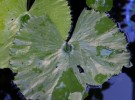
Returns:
<point x="120" y="87"/>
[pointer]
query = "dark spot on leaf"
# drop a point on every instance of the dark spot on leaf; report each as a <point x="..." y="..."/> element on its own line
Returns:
<point x="56" y="66"/>
<point x="81" y="70"/>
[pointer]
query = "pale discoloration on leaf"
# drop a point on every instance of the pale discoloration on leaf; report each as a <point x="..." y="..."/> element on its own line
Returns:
<point x="41" y="56"/>
<point x="89" y="46"/>
<point x="75" y="96"/>
<point x="14" y="16"/>
<point x="38" y="60"/>
<point x="95" y="52"/>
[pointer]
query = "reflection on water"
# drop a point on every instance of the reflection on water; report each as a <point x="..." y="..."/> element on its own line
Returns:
<point x="120" y="88"/>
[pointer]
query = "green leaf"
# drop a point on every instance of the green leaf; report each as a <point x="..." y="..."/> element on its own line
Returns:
<point x="43" y="63"/>
<point x="14" y="16"/>
<point x="57" y="10"/>
<point x="43" y="59"/>
<point x="100" y="5"/>
<point x="100" y="47"/>
<point x="9" y="25"/>
<point x="67" y="85"/>
<point x="36" y="55"/>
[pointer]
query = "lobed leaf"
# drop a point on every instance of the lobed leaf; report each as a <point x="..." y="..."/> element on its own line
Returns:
<point x="100" y="47"/>
<point x="14" y="16"/>
<point x="44" y="61"/>
<point x="36" y="55"/>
